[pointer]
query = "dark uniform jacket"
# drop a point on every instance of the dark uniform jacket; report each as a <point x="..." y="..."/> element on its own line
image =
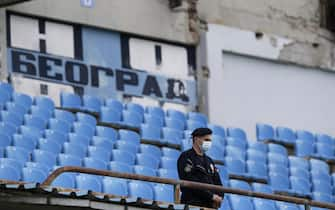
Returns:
<point x="193" y="167"/>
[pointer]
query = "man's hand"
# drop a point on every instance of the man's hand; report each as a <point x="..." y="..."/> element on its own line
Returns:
<point x="217" y="200"/>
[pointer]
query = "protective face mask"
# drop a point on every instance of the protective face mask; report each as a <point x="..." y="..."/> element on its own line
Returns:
<point x="206" y="145"/>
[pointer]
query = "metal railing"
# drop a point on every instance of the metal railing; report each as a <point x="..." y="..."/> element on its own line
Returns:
<point x="188" y="184"/>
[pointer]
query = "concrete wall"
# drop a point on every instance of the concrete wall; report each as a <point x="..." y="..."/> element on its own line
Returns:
<point x="298" y="20"/>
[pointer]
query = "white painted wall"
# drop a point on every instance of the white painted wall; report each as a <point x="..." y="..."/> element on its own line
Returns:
<point x="245" y="90"/>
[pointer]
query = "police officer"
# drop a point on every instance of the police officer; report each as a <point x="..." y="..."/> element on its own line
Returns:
<point x="195" y="165"/>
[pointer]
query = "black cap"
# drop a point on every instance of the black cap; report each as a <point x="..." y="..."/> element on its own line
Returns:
<point x="201" y="132"/>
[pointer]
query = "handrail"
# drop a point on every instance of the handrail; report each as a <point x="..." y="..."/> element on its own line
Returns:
<point x="188" y="184"/>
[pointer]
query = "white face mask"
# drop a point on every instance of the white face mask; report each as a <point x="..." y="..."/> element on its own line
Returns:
<point x="206" y="145"/>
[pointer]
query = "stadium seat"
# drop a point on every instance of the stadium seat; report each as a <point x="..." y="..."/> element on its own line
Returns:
<point x="55" y="136"/>
<point x="236" y="133"/>
<point x="186" y="144"/>
<point x="278" y="168"/>
<point x="75" y="149"/>
<point x="216" y="153"/>
<point x="276" y="158"/>
<point x="169" y="163"/>
<point x="237" y="142"/>
<point x="259" y="146"/>
<point x="102" y="142"/>
<point x="43" y="113"/>
<point x="45" y="157"/>
<point x="88" y="182"/>
<point x="277" y="148"/>
<point x="139" y="189"/>
<point x="259" y="187"/>
<point x="223" y="172"/>
<point x="22" y="99"/>
<point x="300" y="172"/>
<point x="64" y="115"/>
<point x="169" y="152"/>
<point x="304" y="148"/>
<point x="264" y="132"/>
<point x="40" y="166"/>
<point x="84" y="129"/>
<point x="44" y="103"/>
<point x="115" y="186"/>
<point x="106" y="132"/>
<point x="323" y="197"/>
<point x="258" y="156"/>
<point x="323" y="186"/>
<point x="235" y="166"/>
<point x="33" y="175"/>
<point x="171" y="135"/>
<point x="95" y="163"/>
<point x="68" y="160"/>
<point x="134" y="107"/>
<point x="143" y="170"/>
<point x="99" y="153"/>
<point x="7" y="128"/>
<point x="91" y="103"/>
<point x="318" y="165"/>
<point x="279" y="182"/>
<point x="325" y="139"/>
<point x="238" y="184"/>
<point x="130" y="136"/>
<point x="152" y="150"/>
<point x="86" y="118"/>
<point x="324" y="150"/>
<point x="197" y="116"/>
<point x="114" y="104"/>
<point x="35" y="121"/>
<point x="261" y="204"/>
<point x="285" y="134"/>
<point x="300" y="185"/>
<point x="235" y="152"/>
<point x="305" y="135"/>
<point x="18" y="153"/>
<point x="192" y="124"/>
<point x="257" y="169"/>
<point x="153" y="120"/>
<point x="4" y="97"/>
<point x="217" y="130"/>
<point x="5" y="140"/>
<point x="31" y="132"/>
<point x="298" y="162"/>
<point x="110" y="115"/>
<point x="164" y="192"/>
<point x="8" y="172"/>
<point x="78" y="138"/>
<point x="172" y="113"/>
<point x="131" y="118"/>
<point x="320" y="174"/>
<point x="123" y="156"/>
<point x="120" y="167"/>
<point x="65" y="180"/>
<point x="70" y="100"/>
<point x="6" y="87"/>
<point x="156" y="111"/>
<point x="24" y="142"/>
<point x="147" y="160"/>
<point x="150" y="132"/>
<point x="59" y="125"/>
<point x="126" y="146"/>
<point x="175" y="123"/>
<point x="167" y="173"/>
<point x="238" y="202"/>
<point x="11" y="117"/>
<point x="14" y="108"/>
<point x="286" y="206"/>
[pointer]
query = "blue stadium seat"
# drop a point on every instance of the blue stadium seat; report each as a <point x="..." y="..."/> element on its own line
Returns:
<point x="285" y="134"/>
<point x="150" y="132"/>
<point x="78" y="138"/>
<point x="59" y="125"/>
<point x="216" y="153"/>
<point x="6" y="87"/>
<point x="300" y="172"/>
<point x="235" y="166"/>
<point x="131" y="118"/>
<point x="257" y="169"/>
<point x="175" y="123"/>
<point x="305" y="135"/>
<point x="120" y="167"/>
<point x="261" y="204"/>
<point x="151" y="150"/>
<point x="8" y="172"/>
<point x="255" y="155"/>
<point x="95" y="163"/>
<point x="100" y="153"/>
<point x="279" y="182"/>
<point x="45" y="157"/>
<point x="86" y="118"/>
<point x="217" y="130"/>
<point x="110" y="115"/>
<point x="126" y="146"/>
<point x="65" y="180"/>
<point x="123" y="156"/>
<point x="197" y="116"/>
<point x="55" y="136"/>
<point x="64" y="115"/>
<point x="4" y="97"/>
<point x="88" y="182"/>
<point x="238" y="184"/>
<point x="167" y="173"/>
<point x="323" y="197"/>
<point x="12" y="162"/>
<point x="236" y="133"/>
<point x="164" y="192"/>
<point x="325" y="139"/>
<point x="35" y="121"/>
<point x="22" y="99"/>
<point x="318" y="165"/>
<point x="223" y="172"/>
<point x="278" y="168"/>
<point x="106" y="132"/>
<point x="186" y="144"/>
<point x="14" y="108"/>
<point x="91" y="103"/>
<point x="115" y="186"/>
<point x="20" y="154"/>
<point x="11" y="117"/>
<point x="31" y="132"/>
<point x="304" y="148"/>
<point x="218" y="141"/>
<point x="5" y="140"/>
<point x="131" y="136"/>
<point x="259" y="146"/>
<point x="264" y="132"/>
<point x="102" y="142"/>
<point x="153" y="120"/>
<point x="143" y="170"/>
<point x="235" y="152"/>
<point x="169" y="163"/>
<point x="322" y="186"/>
<point x="278" y="149"/>
<point x="169" y="152"/>
<point x="300" y="185"/>
<point x="172" y="113"/>
<point x="70" y="100"/>
<point x="68" y="160"/>
<point x="237" y="142"/>
<point x="84" y="129"/>
<point x="24" y="142"/>
<point x="264" y="188"/>
<point x="238" y="202"/>
<point x="171" y="135"/>
<point x="40" y="166"/>
<point x="324" y="150"/>
<point x="7" y="128"/>
<point x="43" y="113"/>
<point x="286" y="206"/>
<point x="33" y="175"/>
<point x="156" y="111"/>
<point x="44" y="102"/>
<point x="192" y="124"/>
<point x="320" y="174"/>
<point x="277" y="158"/>
<point x="134" y="107"/>
<point x="298" y="162"/>
<point x="147" y="160"/>
<point x="139" y="189"/>
<point x="114" y="104"/>
<point x="78" y="150"/>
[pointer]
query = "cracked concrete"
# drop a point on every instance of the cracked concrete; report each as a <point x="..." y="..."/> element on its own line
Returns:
<point x="297" y="20"/>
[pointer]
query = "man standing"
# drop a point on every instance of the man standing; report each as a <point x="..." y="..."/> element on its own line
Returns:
<point x="195" y="165"/>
